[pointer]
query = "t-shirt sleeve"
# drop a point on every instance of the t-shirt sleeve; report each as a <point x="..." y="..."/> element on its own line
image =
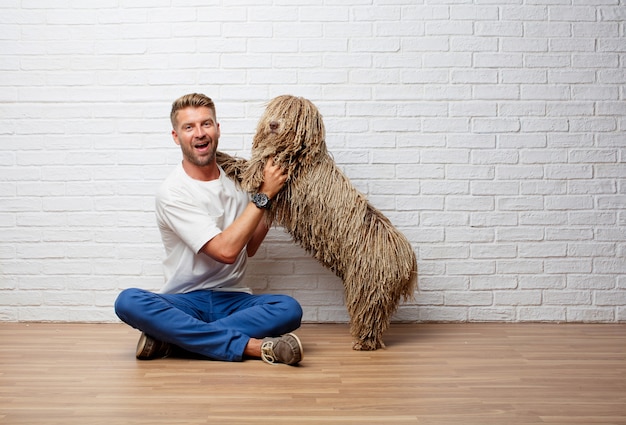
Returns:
<point x="188" y="220"/>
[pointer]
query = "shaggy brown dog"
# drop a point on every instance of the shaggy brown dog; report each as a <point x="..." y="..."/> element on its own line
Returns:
<point x="333" y="221"/>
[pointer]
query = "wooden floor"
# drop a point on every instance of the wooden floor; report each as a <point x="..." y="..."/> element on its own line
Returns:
<point x="429" y="374"/>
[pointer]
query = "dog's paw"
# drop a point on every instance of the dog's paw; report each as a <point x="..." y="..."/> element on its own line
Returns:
<point x="367" y="345"/>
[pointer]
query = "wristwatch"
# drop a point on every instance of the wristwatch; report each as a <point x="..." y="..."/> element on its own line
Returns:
<point x="261" y="200"/>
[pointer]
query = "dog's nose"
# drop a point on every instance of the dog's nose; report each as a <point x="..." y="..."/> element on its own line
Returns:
<point x="274" y="125"/>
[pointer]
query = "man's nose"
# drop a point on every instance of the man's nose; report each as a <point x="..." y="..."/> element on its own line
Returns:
<point x="198" y="131"/>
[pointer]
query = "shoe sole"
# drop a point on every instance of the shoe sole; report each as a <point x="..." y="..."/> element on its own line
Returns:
<point x="149" y="348"/>
<point x="141" y="352"/>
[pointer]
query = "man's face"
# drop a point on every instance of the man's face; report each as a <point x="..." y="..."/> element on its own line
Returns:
<point x="197" y="132"/>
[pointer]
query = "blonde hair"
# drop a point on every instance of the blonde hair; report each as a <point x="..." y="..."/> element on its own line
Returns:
<point x="192" y="100"/>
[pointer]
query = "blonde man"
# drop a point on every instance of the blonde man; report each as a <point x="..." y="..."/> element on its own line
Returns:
<point x="209" y="227"/>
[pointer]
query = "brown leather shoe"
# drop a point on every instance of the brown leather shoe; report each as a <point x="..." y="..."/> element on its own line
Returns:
<point x="149" y="348"/>
<point x="285" y="349"/>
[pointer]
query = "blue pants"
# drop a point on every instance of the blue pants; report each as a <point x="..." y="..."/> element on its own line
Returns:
<point x="214" y="324"/>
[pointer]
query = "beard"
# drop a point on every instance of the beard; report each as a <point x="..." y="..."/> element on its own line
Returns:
<point x="199" y="159"/>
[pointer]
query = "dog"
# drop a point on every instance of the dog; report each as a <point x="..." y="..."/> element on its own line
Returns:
<point x="329" y="217"/>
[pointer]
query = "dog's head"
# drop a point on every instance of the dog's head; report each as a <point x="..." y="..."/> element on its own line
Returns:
<point x="292" y="131"/>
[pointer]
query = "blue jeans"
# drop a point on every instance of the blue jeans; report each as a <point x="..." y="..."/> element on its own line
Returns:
<point x="214" y="324"/>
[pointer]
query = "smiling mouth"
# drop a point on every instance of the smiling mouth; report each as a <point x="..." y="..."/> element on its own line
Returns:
<point x="202" y="145"/>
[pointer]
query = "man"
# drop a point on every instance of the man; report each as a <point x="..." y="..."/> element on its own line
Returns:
<point x="209" y="227"/>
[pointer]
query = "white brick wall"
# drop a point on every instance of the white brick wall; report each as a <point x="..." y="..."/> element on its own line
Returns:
<point x="490" y="131"/>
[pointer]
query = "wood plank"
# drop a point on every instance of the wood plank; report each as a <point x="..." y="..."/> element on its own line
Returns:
<point x="429" y="374"/>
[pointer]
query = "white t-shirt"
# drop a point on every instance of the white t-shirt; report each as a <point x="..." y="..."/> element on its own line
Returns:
<point x="189" y="214"/>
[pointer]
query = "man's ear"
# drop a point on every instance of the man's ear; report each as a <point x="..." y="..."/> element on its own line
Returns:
<point x="175" y="137"/>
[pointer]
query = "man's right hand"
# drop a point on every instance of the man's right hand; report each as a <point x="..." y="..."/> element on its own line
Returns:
<point x="274" y="178"/>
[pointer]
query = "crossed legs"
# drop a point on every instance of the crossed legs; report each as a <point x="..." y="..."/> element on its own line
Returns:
<point x="219" y="325"/>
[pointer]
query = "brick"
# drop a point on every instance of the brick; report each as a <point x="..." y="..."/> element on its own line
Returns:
<point x="611" y="202"/>
<point x="568" y="13"/>
<point x="569" y="203"/>
<point x="443" y="219"/>
<point x="569" y="140"/>
<point x="519" y="172"/>
<point x="541" y="314"/>
<point x="495" y="314"/>
<point x="471" y="141"/>
<point x="570" y="108"/>
<point x="499" y="29"/>
<point x="477" y="76"/>
<point x="469" y="203"/>
<point x="448" y="252"/>
<point x="435" y="156"/>
<point x="524" y="45"/>
<point x="547" y="60"/>
<point x="609" y="266"/>
<point x="610" y="298"/>
<point x="443" y="314"/>
<point x="517" y="298"/>
<point x="569" y="172"/>
<point x="545" y="92"/>
<point x="542" y="250"/>
<point x="567" y="45"/>
<point x="446" y="92"/>
<point x="498" y="60"/>
<point x="612" y="108"/>
<point x="449" y="27"/>
<point x="490" y="219"/>
<point x="519" y="267"/>
<point x="435" y="283"/>
<point x="593" y="125"/>
<point x="525" y="13"/>
<point x="582" y="282"/>
<point x="543" y="282"/>
<point x="454" y="235"/>
<point x="488" y="251"/>
<point x="494" y="188"/>
<point x="547" y="29"/>
<point x="595" y="92"/>
<point x="508" y="141"/>
<point x="561" y="234"/>
<point x="567" y="266"/>
<point x="473" y="298"/>
<point x="571" y="77"/>
<point x="438" y="60"/>
<point x="427" y="44"/>
<point x="473" y="44"/>
<point x="579" y="298"/>
<point x="592" y="218"/>
<point x="483" y="283"/>
<point x="444" y="188"/>
<point x="474" y="13"/>
<point x="470" y="267"/>
<point x="594" y="60"/>
<point x="590" y="315"/>
<point x="543" y="218"/>
<point x="595" y="29"/>
<point x="487" y="125"/>
<point x="592" y="156"/>
<point x="509" y="76"/>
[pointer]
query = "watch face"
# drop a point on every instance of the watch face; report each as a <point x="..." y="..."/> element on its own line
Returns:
<point x="261" y="200"/>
